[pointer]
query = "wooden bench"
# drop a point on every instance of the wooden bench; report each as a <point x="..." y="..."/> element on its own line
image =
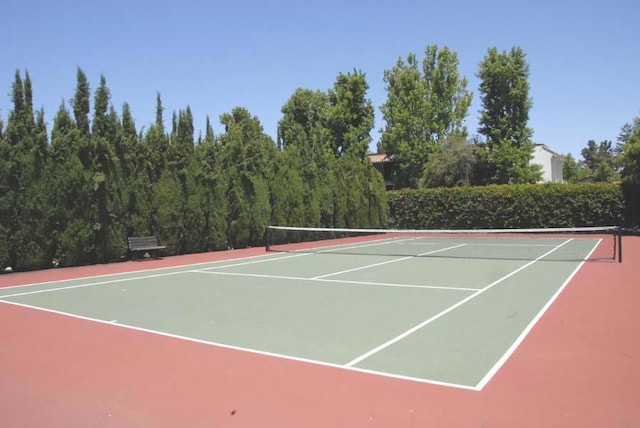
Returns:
<point x="144" y="243"/>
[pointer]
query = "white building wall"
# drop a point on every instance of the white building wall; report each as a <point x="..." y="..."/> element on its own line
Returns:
<point x="551" y="163"/>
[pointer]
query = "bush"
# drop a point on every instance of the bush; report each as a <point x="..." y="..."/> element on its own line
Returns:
<point x="509" y="206"/>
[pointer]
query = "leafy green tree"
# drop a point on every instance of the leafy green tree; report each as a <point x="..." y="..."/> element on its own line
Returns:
<point x="447" y="95"/>
<point x="504" y="88"/>
<point x="630" y="149"/>
<point x="406" y="134"/>
<point x="453" y="164"/>
<point x="570" y="169"/>
<point x="351" y="115"/>
<point x="599" y="161"/>
<point x="426" y="104"/>
<point x="323" y="136"/>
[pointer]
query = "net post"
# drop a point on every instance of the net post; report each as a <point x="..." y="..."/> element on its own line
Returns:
<point x="619" y="242"/>
<point x="267" y="238"/>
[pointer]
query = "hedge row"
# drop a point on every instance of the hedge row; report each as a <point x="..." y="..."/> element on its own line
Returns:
<point x="515" y="206"/>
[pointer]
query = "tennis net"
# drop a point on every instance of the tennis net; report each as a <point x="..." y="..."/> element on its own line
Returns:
<point x="553" y="244"/>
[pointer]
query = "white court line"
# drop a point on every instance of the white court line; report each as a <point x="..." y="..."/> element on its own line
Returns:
<point x="243" y="349"/>
<point x="385" y="241"/>
<point x="253" y="262"/>
<point x="485" y="380"/>
<point x="57" y="281"/>
<point x="446" y="311"/>
<point x="478" y="244"/>
<point x="347" y="246"/>
<point x="387" y="262"/>
<point x="91" y="284"/>
<point x="338" y="281"/>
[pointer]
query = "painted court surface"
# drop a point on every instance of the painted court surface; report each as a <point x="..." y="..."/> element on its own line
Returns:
<point x="342" y="336"/>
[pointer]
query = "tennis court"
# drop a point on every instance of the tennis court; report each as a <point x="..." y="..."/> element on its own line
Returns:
<point x="436" y="309"/>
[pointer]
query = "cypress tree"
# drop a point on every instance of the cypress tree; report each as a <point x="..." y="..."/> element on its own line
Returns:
<point x="107" y="186"/>
<point x="247" y="155"/>
<point x="303" y="128"/>
<point x="209" y="183"/>
<point x="69" y="194"/>
<point x="22" y="207"/>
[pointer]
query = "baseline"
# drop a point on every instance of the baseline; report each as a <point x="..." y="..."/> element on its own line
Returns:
<point x="239" y="348"/>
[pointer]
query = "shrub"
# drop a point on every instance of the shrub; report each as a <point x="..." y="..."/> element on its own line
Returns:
<point x="509" y="206"/>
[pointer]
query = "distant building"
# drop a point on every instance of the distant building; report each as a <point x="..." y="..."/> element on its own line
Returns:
<point x="551" y="163"/>
<point x="384" y="164"/>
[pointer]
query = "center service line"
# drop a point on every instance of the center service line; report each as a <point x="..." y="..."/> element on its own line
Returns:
<point x="387" y="262"/>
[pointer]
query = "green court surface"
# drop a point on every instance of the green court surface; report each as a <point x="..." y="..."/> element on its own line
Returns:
<point x="452" y="319"/>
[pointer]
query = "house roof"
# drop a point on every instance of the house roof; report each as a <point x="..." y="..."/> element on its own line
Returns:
<point x="380" y="158"/>
<point x="545" y="147"/>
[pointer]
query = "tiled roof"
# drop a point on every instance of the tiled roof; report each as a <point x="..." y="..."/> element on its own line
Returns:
<point x="380" y="158"/>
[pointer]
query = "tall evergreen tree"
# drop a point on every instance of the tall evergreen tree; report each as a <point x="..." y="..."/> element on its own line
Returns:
<point x="154" y="146"/>
<point x="81" y="101"/>
<point x="22" y="205"/>
<point x="183" y="219"/>
<point x="68" y="193"/>
<point x="182" y="142"/>
<point x="247" y="155"/>
<point x="108" y="189"/>
<point x="152" y="158"/>
<point x="5" y="233"/>
<point x="126" y="146"/>
<point x="207" y="184"/>
<point x="303" y="131"/>
<point x="504" y="117"/>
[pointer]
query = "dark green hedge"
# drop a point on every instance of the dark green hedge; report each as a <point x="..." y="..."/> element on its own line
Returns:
<point x="512" y="206"/>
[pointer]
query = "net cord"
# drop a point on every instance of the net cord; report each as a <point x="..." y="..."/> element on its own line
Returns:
<point x="609" y="229"/>
<point x="616" y="231"/>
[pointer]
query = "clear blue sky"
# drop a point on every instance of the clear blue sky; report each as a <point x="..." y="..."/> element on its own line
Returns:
<point x="584" y="56"/>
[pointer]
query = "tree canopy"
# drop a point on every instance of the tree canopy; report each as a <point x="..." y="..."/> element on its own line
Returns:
<point x="76" y="198"/>
<point x="504" y="89"/>
<point x="426" y="104"/>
